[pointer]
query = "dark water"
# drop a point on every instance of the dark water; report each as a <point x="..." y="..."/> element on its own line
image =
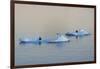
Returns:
<point x="78" y="49"/>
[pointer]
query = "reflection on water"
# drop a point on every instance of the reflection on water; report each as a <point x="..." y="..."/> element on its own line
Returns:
<point x="78" y="49"/>
<point x="43" y="42"/>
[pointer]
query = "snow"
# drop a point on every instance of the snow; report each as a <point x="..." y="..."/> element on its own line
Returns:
<point x="62" y="38"/>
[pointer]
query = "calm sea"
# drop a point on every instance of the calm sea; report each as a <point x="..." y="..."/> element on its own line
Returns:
<point x="77" y="50"/>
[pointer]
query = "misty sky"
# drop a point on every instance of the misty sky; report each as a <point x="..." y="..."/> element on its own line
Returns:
<point x="31" y="20"/>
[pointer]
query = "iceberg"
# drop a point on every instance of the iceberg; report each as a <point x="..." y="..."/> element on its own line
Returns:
<point x="79" y="33"/>
<point x="60" y="38"/>
<point x="26" y="40"/>
<point x="30" y="40"/>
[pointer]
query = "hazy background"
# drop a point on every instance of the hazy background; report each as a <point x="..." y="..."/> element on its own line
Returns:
<point x="46" y="21"/>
